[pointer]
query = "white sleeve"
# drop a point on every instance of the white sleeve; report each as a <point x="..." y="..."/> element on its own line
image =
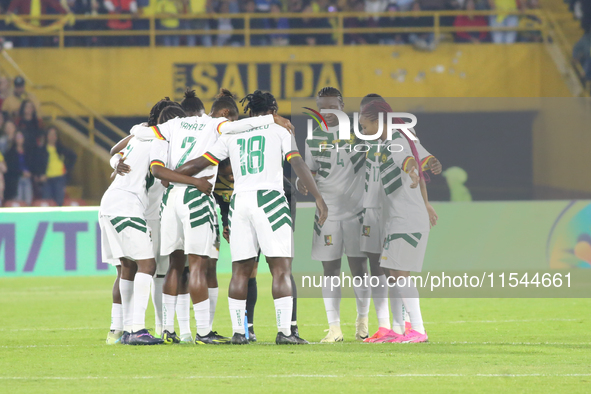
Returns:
<point x="158" y="153"/>
<point x="289" y="147"/>
<point x="115" y="160"/>
<point x="218" y="152"/>
<point x="245" y="124"/>
<point x="148" y="133"/>
<point x="309" y="159"/>
<point x="424" y="155"/>
<point x="400" y="152"/>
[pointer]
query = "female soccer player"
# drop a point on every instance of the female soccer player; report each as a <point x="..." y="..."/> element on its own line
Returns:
<point x="406" y="229"/>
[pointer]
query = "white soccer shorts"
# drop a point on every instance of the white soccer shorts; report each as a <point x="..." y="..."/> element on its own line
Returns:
<point x="336" y="237"/>
<point x="125" y="237"/>
<point x="260" y="218"/>
<point x="215" y="246"/>
<point x="186" y="221"/>
<point x="371" y="234"/>
<point x="161" y="261"/>
<point x="404" y="251"/>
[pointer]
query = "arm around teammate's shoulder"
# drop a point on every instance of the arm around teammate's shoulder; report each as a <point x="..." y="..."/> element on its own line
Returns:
<point x="305" y="176"/>
<point x="165" y="174"/>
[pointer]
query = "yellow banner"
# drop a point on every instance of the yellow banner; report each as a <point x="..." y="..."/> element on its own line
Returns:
<point x="23" y="24"/>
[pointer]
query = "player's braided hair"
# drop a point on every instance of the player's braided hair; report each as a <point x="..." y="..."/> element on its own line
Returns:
<point x="191" y="103"/>
<point x="157" y="108"/>
<point x="225" y="100"/>
<point x="259" y="102"/>
<point x="371" y="97"/>
<point x="171" y="112"/>
<point x="329" y="91"/>
<point x="376" y="108"/>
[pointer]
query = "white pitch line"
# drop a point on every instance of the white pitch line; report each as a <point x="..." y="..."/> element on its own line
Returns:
<point x="299" y="376"/>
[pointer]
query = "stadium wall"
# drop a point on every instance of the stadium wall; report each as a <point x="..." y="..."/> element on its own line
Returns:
<point x="471" y="235"/>
<point x="128" y="81"/>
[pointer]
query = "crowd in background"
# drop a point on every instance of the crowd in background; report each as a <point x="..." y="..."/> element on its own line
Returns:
<point x="274" y="9"/>
<point x="582" y="49"/>
<point x="33" y="163"/>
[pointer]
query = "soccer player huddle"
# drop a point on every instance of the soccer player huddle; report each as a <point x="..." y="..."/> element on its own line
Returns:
<point x="159" y="221"/>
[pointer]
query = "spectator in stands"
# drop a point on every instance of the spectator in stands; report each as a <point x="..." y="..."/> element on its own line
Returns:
<point x="432" y="5"/>
<point x="404" y="5"/>
<point x="322" y="6"/>
<point x="199" y="8"/>
<point x="18" y="180"/>
<point x="391" y="21"/>
<point x="169" y="7"/>
<point x="356" y="22"/>
<point x="582" y="53"/>
<point x="13" y="103"/>
<point x="376" y="5"/>
<point x="121" y="7"/>
<point x="4" y="90"/>
<point x="225" y="25"/>
<point x="421" y="40"/>
<point x="530" y="21"/>
<point x="56" y="161"/>
<point x="278" y="23"/>
<point x="34" y="8"/>
<point x="249" y="7"/>
<point x="96" y="8"/>
<point x="312" y="23"/>
<point x="36" y="153"/>
<point x="3" y="169"/>
<point x="2" y="120"/>
<point x="503" y="20"/>
<point x="7" y="136"/>
<point x="470" y="20"/>
<point x="263" y="5"/>
<point x="29" y="124"/>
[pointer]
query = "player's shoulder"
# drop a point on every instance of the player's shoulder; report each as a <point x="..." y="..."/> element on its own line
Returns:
<point x="134" y="129"/>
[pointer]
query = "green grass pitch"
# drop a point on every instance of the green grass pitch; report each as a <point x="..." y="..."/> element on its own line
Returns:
<point x="54" y="332"/>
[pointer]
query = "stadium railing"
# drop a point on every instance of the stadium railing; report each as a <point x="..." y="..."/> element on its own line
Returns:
<point x="58" y="25"/>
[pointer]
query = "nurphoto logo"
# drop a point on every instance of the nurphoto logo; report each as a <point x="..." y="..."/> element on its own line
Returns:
<point x="345" y="124"/>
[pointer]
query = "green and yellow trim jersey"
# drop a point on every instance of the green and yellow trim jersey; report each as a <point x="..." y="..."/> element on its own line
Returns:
<point x="256" y="155"/>
<point x="339" y="171"/>
<point x="404" y="207"/>
<point x="128" y="194"/>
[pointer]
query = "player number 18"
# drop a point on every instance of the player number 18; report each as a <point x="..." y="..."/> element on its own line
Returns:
<point x="252" y="151"/>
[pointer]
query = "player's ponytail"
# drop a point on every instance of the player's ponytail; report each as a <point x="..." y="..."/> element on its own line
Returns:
<point x="224" y="93"/>
<point x="191" y="103"/>
<point x="376" y="108"/>
<point x="225" y="100"/>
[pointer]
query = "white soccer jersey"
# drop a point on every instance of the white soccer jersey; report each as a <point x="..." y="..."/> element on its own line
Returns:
<point x="128" y="195"/>
<point x="256" y="155"/>
<point x="405" y="207"/>
<point x="188" y="139"/>
<point x="192" y="136"/>
<point x="339" y="172"/>
<point x="374" y="192"/>
<point x="155" y="193"/>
